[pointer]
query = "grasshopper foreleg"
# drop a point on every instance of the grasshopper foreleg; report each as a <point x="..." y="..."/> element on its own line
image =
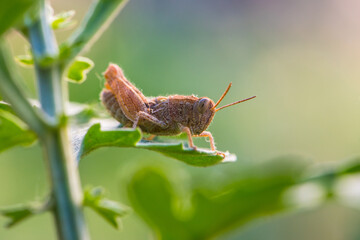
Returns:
<point x="209" y="135"/>
<point x="203" y="134"/>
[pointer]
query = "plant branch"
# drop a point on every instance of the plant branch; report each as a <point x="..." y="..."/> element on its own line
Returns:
<point x="100" y="15"/>
<point x="45" y="53"/>
<point x="64" y="176"/>
<point x="14" y="95"/>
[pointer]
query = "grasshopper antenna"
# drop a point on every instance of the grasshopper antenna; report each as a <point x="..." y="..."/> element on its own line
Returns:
<point x="222" y="96"/>
<point x="230" y="104"/>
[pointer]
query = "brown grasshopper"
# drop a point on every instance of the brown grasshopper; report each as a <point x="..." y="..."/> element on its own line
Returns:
<point x="169" y="115"/>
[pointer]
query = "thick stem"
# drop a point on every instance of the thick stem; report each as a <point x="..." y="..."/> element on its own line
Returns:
<point x="65" y="186"/>
<point x="45" y="52"/>
<point x="63" y="172"/>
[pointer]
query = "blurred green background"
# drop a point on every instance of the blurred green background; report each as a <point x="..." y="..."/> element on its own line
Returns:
<point x="299" y="57"/>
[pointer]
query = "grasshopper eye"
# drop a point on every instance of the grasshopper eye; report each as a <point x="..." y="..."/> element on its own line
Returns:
<point x="203" y="104"/>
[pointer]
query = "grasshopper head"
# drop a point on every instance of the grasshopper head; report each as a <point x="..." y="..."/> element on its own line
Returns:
<point x="203" y="113"/>
<point x="205" y="109"/>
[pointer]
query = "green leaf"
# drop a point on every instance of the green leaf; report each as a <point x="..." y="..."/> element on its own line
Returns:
<point x="19" y="213"/>
<point x="78" y="69"/>
<point x="153" y="196"/>
<point x="205" y="211"/>
<point x="199" y="157"/>
<point x="349" y="167"/>
<point x="63" y="20"/>
<point x="96" y="138"/>
<point x="110" y="210"/>
<point x="25" y="60"/>
<point x="12" y="11"/>
<point x="6" y="107"/>
<point x="123" y="137"/>
<point x="13" y="132"/>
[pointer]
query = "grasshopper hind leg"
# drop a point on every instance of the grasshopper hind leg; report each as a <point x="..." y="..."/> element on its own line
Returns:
<point x="146" y="116"/>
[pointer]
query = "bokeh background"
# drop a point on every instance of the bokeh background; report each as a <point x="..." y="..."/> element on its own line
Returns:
<point x="301" y="59"/>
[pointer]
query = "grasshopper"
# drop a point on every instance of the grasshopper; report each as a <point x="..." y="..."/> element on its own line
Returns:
<point x="161" y="115"/>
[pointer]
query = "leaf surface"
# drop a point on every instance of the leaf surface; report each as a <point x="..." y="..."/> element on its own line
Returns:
<point x="13" y="131"/>
<point x="122" y="137"/>
<point x="12" y="11"/>
<point x="110" y="210"/>
<point x="205" y="211"/>
<point x="78" y="69"/>
<point x="63" y="20"/>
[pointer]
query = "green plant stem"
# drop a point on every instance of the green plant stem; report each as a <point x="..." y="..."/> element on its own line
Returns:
<point x="64" y="176"/>
<point x="14" y="95"/>
<point x="99" y="16"/>
<point x="65" y="185"/>
<point x="45" y="52"/>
